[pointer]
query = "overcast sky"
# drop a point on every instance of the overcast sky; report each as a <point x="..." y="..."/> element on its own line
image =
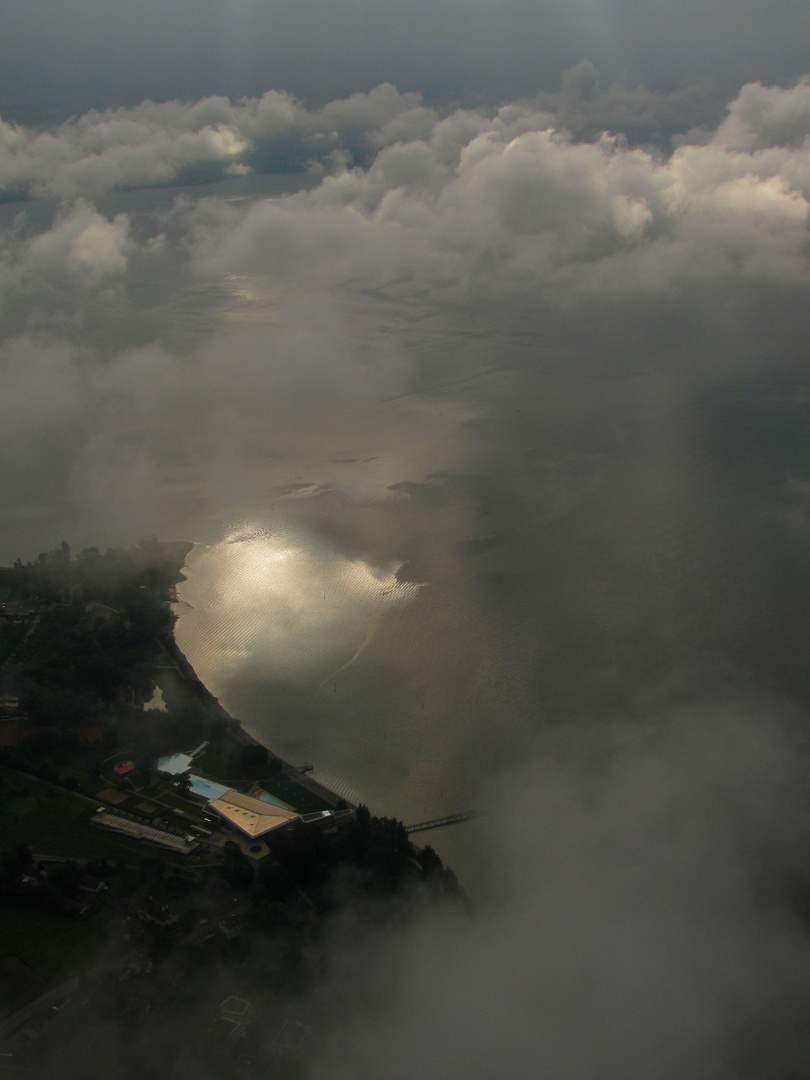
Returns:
<point x="76" y="55"/>
<point x="512" y="303"/>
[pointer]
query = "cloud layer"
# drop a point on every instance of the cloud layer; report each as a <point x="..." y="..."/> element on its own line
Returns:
<point x="175" y="142"/>
<point x="512" y="203"/>
<point x="470" y="201"/>
<point x="644" y="921"/>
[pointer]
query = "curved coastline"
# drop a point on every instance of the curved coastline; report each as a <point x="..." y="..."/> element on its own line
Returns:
<point x="216" y="711"/>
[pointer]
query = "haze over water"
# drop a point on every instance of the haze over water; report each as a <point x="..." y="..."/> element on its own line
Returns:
<point x="618" y="546"/>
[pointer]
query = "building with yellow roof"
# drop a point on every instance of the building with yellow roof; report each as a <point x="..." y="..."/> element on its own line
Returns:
<point x="250" y="816"/>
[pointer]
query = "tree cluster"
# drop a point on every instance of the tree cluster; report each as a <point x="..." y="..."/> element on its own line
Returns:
<point x="368" y="857"/>
<point x="57" y="889"/>
<point x="85" y="657"/>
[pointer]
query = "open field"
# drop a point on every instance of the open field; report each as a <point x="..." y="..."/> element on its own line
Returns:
<point x="19" y="982"/>
<point x="301" y="800"/>
<point x="56" y="823"/>
<point x="102" y="611"/>
<point x="47" y="943"/>
<point x="83" y="767"/>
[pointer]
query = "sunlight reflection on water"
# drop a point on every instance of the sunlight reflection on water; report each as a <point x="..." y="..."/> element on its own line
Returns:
<point x="267" y="608"/>
<point x="284" y="603"/>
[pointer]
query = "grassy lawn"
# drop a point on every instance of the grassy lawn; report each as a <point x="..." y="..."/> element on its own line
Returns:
<point x="52" y="823"/>
<point x="43" y="817"/>
<point x="137" y="804"/>
<point x="295" y="796"/>
<point x="81" y="766"/>
<point x="108" y="779"/>
<point x="152" y="792"/>
<point x="222" y="762"/>
<point x="48" y="943"/>
<point x="101" y="611"/>
<point x="190" y="809"/>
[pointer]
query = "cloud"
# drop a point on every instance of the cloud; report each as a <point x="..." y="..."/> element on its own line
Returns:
<point x="118" y="148"/>
<point x="41" y="410"/>
<point x="216" y="342"/>
<point x="142" y="429"/>
<point x="41" y="390"/>
<point x="547" y="348"/>
<point x="361" y="279"/>
<point x="173" y="141"/>
<point x="511" y="203"/>
<point x="560" y="376"/>
<point x="643" y="919"/>
<point x="766" y="116"/>
<point x="82" y="248"/>
<point x="83" y="244"/>
<point x="488" y="354"/>
<point x="585" y="106"/>
<point x="188" y="142"/>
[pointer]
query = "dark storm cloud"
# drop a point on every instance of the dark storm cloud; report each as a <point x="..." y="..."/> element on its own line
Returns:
<point x="97" y="55"/>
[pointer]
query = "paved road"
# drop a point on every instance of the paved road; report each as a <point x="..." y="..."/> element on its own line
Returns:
<point x="45" y="1001"/>
<point x="37" y="857"/>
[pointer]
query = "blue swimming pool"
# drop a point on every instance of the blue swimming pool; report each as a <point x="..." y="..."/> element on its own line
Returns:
<point x="274" y="802"/>
<point x="174" y="764"/>
<point x="207" y="788"/>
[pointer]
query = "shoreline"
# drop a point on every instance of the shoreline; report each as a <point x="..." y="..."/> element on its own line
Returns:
<point x="217" y="711"/>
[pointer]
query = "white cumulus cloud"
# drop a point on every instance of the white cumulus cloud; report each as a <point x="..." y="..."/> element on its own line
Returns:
<point x="511" y="202"/>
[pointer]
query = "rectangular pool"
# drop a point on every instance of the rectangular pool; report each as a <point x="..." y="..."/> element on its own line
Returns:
<point x="207" y="789"/>
<point x="274" y="802"/>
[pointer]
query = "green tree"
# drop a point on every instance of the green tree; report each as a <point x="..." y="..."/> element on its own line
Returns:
<point x="182" y="785"/>
<point x="237" y="867"/>
<point x="253" y="759"/>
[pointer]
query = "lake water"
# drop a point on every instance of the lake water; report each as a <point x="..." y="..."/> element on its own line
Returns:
<point x="626" y="545"/>
<point x="275" y="624"/>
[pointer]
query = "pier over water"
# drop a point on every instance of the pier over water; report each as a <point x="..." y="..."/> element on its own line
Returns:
<point x="449" y="819"/>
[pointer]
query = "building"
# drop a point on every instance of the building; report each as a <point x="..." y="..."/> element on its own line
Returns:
<point x="252" y="817"/>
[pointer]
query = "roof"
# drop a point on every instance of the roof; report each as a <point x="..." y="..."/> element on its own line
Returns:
<point x="251" y="816"/>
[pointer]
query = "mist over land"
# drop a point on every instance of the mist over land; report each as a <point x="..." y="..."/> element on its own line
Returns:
<point x="486" y="401"/>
